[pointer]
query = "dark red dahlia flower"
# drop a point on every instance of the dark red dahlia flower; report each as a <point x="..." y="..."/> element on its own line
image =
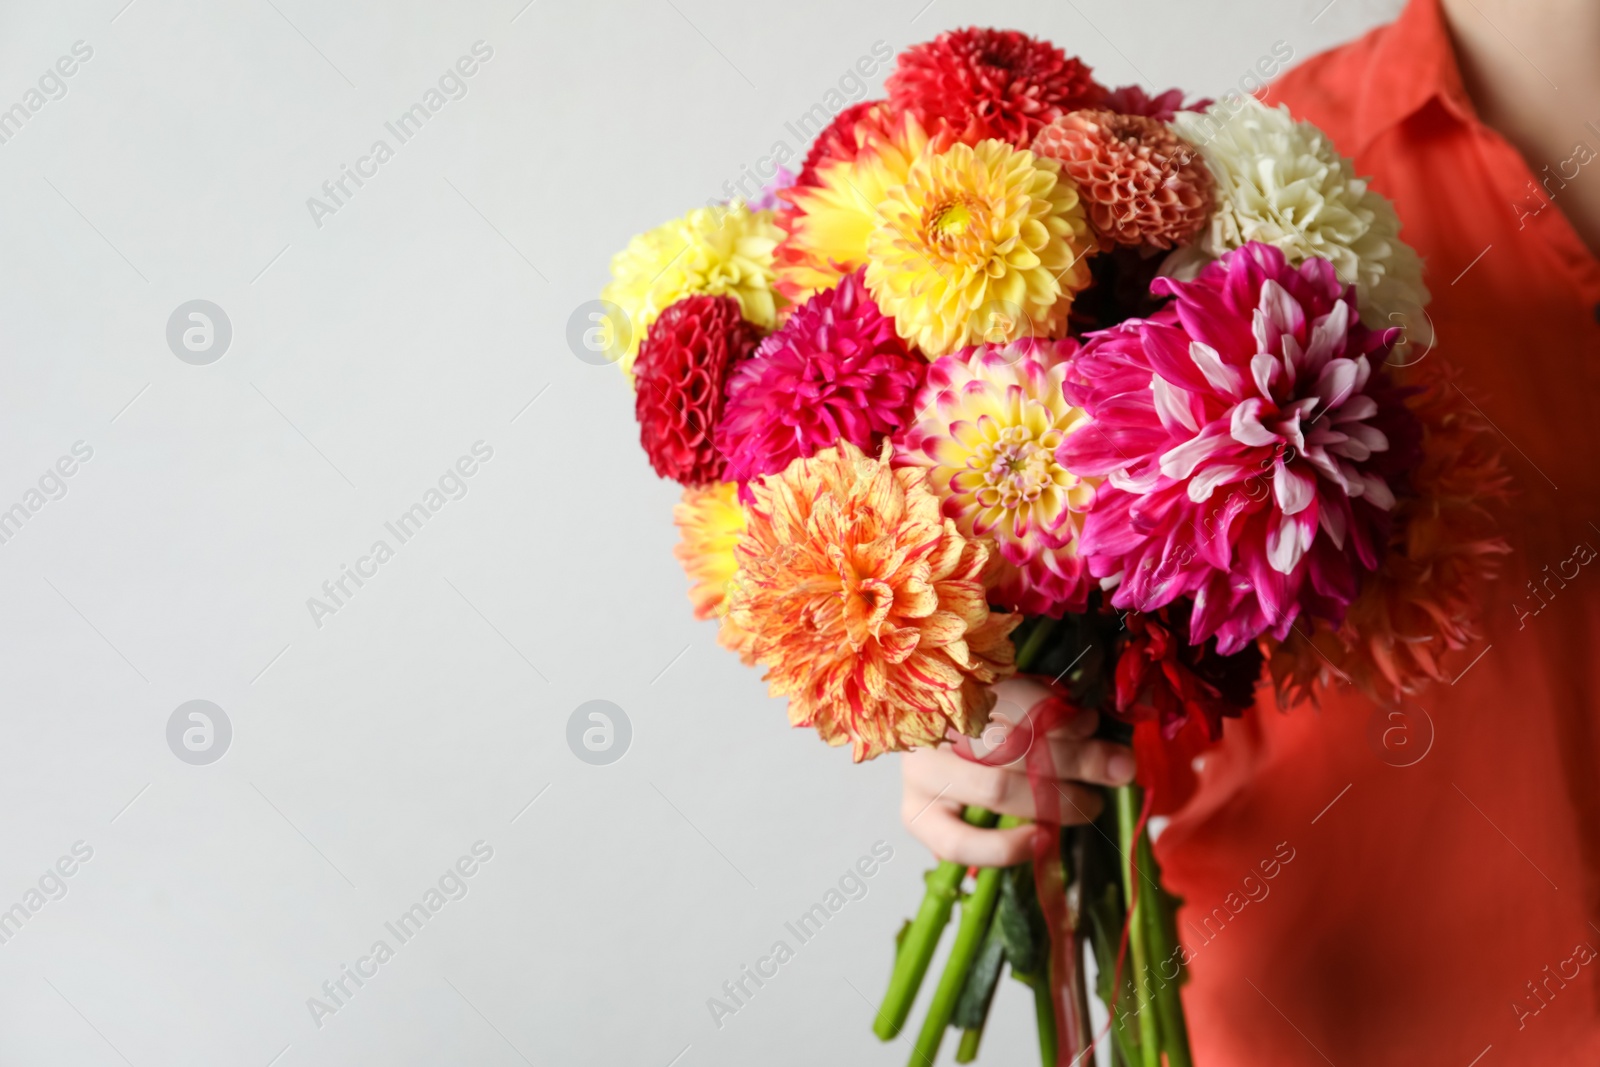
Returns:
<point x="836" y="370"/>
<point x="981" y="83"/>
<point x="1176" y="695"/>
<point x="1132" y="100"/>
<point x="1164" y="679"/>
<point x="683" y="365"/>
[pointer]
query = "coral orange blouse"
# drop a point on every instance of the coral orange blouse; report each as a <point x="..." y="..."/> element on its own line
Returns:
<point x="1366" y="889"/>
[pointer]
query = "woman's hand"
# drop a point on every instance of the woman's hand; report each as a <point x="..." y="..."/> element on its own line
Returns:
<point x="938" y="783"/>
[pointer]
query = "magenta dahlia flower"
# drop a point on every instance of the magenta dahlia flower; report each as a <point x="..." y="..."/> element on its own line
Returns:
<point x="836" y="370"/>
<point x="1249" y="440"/>
<point x="989" y="422"/>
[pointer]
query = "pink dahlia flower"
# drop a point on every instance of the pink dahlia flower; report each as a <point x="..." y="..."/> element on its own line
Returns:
<point x="989" y="421"/>
<point x="836" y="370"/>
<point x="1250" y="443"/>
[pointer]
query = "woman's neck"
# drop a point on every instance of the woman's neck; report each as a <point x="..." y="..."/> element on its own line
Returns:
<point x="1532" y="68"/>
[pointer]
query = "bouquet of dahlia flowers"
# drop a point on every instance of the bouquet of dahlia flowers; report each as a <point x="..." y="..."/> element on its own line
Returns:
<point x="1021" y="373"/>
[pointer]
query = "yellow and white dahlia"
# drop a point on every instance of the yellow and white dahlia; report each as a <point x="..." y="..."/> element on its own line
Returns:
<point x="1283" y="183"/>
<point x="711" y="251"/>
<point x="981" y="243"/>
<point x="990" y="421"/>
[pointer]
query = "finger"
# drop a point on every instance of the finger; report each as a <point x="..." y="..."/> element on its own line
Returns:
<point x="955" y="782"/>
<point x="950" y="837"/>
<point x="1101" y="762"/>
<point x="1079" y="803"/>
<point x="941" y="776"/>
<point x="1079" y="726"/>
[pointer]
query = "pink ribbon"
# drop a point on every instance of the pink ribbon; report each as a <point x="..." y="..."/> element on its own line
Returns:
<point x="1048" y="880"/>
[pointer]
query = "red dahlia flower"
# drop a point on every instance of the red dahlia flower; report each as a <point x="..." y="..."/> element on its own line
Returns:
<point x="844" y="137"/>
<point x="1176" y="695"/>
<point x="981" y="83"/>
<point x="682" y="367"/>
<point x="1163" y="679"/>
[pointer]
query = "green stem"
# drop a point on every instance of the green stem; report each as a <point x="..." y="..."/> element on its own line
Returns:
<point x="967" y="1051"/>
<point x="976" y="911"/>
<point x="1044" y="1012"/>
<point x="1034" y="645"/>
<point x="922" y="937"/>
<point x="1128" y="802"/>
<point x="944" y="881"/>
<point x="1161" y="931"/>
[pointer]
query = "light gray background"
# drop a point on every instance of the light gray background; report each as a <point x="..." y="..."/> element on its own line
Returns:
<point x="368" y="355"/>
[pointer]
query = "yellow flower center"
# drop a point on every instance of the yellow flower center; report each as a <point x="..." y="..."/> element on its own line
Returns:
<point x="952" y="219"/>
<point x="1017" y="468"/>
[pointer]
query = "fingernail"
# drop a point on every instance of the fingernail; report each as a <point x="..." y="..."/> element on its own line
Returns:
<point x="1119" y="768"/>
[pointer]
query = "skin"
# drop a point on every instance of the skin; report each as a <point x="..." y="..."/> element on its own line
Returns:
<point x="1532" y="68"/>
<point x="938" y="783"/>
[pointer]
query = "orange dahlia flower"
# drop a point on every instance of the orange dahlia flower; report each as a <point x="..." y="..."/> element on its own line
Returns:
<point x="1420" y="609"/>
<point x="866" y="606"/>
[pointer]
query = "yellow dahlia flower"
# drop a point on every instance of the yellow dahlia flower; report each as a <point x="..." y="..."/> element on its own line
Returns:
<point x="982" y="243"/>
<point x="866" y="605"/>
<point x="828" y="223"/>
<point x="709" y="521"/>
<point x="720" y="251"/>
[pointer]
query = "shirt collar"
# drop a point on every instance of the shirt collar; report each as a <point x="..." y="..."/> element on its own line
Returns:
<point x="1412" y="63"/>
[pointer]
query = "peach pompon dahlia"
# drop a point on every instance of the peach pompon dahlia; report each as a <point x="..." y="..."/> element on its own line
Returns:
<point x="1142" y="183"/>
<point x="991" y="419"/>
<point x="826" y="223"/>
<point x="981" y="243"/>
<point x="867" y="607"/>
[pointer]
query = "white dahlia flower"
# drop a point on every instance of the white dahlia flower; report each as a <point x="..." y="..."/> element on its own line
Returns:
<point x="1283" y="183"/>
